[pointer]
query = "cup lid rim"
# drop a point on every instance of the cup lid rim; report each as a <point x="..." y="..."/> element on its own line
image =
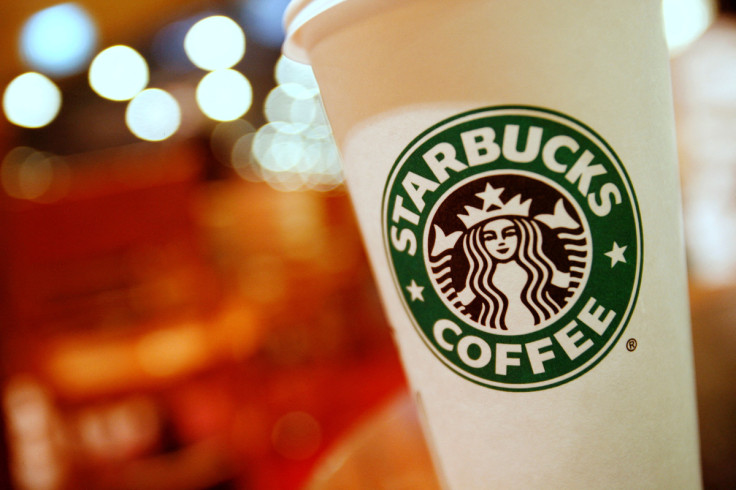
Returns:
<point x="297" y="14"/>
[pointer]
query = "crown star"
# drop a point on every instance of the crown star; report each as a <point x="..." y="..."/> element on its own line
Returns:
<point x="492" y="197"/>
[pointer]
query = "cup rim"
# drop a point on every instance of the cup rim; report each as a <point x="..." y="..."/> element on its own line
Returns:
<point x="321" y="16"/>
<point x="297" y="14"/>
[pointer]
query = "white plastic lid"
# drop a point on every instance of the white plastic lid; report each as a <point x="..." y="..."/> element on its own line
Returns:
<point x="297" y="14"/>
<point x="333" y="14"/>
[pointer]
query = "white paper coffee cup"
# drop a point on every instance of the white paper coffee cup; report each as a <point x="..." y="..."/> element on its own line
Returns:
<point x="514" y="172"/>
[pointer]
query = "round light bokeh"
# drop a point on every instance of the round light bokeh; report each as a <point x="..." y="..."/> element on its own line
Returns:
<point x="685" y="21"/>
<point x="31" y="100"/>
<point x="215" y="43"/>
<point x="58" y="40"/>
<point x="118" y="73"/>
<point x="26" y="173"/>
<point x="292" y="157"/>
<point x="290" y="102"/>
<point x="153" y="115"/>
<point x="279" y="146"/>
<point x="224" y="95"/>
<point x="242" y="159"/>
<point x="295" y="150"/>
<point x="298" y="76"/>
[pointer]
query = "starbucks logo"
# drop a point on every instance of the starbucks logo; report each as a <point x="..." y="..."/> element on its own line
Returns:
<point x="508" y="266"/>
<point x="515" y="242"/>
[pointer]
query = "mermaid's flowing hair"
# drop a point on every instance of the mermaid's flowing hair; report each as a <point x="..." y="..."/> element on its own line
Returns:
<point x="529" y="255"/>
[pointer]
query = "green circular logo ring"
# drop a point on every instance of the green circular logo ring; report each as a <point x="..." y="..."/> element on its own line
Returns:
<point x="514" y="238"/>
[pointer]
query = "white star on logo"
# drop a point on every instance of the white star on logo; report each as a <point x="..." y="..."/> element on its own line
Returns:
<point x="616" y="254"/>
<point x="490" y="197"/>
<point x="415" y="291"/>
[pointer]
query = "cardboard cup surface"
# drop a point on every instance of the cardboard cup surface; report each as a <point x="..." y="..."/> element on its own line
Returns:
<point x="476" y="114"/>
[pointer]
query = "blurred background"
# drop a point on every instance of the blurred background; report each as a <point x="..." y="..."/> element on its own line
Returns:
<point x="185" y="300"/>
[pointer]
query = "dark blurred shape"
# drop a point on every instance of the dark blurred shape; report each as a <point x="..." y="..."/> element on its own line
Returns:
<point x="262" y="19"/>
<point x="727" y="5"/>
<point x="714" y="340"/>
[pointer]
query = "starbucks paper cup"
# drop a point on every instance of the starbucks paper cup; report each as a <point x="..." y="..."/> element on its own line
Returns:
<point x="513" y="169"/>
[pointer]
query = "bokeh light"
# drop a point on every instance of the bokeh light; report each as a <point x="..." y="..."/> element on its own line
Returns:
<point x="171" y="351"/>
<point x="292" y="157"/>
<point x="296" y="436"/>
<point x="118" y="73"/>
<point x="242" y="159"/>
<point x="295" y="150"/>
<point x="27" y="173"/>
<point x="279" y="146"/>
<point x="31" y="100"/>
<point x="224" y="95"/>
<point x="685" y="21"/>
<point x="153" y="115"/>
<point x="291" y="103"/>
<point x="58" y="40"/>
<point x="298" y="76"/>
<point x="29" y="416"/>
<point x="215" y="43"/>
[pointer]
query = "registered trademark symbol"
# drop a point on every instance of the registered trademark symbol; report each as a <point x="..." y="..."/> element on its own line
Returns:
<point x="631" y="345"/>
